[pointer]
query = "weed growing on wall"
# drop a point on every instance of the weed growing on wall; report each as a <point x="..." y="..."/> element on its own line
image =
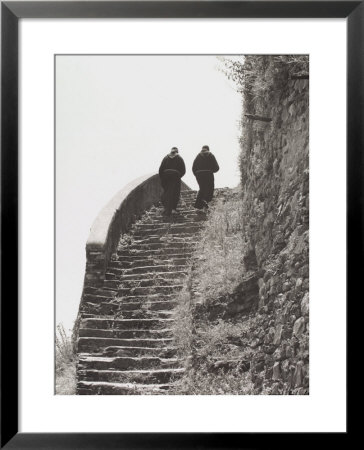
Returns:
<point x="213" y="350"/>
<point x="65" y="363"/>
<point x="218" y="263"/>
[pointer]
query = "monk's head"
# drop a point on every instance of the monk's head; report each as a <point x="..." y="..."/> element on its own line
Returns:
<point x="174" y="151"/>
<point x="205" y="148"/>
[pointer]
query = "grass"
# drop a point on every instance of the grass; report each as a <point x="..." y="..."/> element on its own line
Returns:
<point x="214" y="351"/>
<point x="65" y="363"/>
<point x="218" y="266"/>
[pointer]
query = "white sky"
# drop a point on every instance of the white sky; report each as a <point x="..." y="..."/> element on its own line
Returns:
<point x="116" y="118"/>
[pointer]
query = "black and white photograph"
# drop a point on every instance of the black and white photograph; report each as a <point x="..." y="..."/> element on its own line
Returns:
<point x="181" y="224"/>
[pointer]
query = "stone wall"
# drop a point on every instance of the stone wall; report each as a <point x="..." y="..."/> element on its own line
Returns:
<point x="275" y="182"/>
<point x="114" y="220"/>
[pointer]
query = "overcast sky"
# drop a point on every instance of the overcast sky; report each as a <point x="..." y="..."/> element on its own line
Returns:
<point x="116" y="118"/>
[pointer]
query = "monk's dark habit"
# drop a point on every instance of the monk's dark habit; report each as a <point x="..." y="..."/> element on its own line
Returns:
<point x="204" y="167"/>
<point x="171" y="171"/>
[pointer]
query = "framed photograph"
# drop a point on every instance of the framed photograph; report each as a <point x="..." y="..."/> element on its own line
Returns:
<point x="181" y="223"/>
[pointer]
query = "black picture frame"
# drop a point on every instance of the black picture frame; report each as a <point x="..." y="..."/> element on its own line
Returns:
<point x="11" y="12"/>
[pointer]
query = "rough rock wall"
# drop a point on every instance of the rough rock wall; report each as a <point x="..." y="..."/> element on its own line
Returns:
<point x="275" y="181"/>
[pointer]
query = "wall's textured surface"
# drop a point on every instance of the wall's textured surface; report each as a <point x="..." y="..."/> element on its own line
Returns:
<point x="275" y="182"/>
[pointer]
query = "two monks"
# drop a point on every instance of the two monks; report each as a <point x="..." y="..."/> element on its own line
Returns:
<point x="173" y="168"/>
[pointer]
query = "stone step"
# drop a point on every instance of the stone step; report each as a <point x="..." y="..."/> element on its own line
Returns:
<point x="114" y="283"/>
<point x="167" y="238"/>
<point x="152" y="306"/>
<point x="144" y="314"/>
<point x="127" y="363"/>
<point x="181" y="201"/>
<point x="173" y="273"/>
<point x="155" y="253"/>
<point x="149" y="260"/>
<point x="199" y="218"/>
<point x="162" y="278"/>
<point x="182" y="206"/>
<point x="134" y="281"/>
<point x="100" y="308"/>
<point x="126" y="334"/>
<point x="115" y="273"/>
<point x="156" y="229"/>
<point x="105" y="291"/>
<point x="163" y="247"/>
<point x="170" y="225"/>
<point x="188" y="197"/>
<point x="191" y="217"/>
<point x="97" y="344"/>
<point x="100" y="292"/>
<point x="148" y="271"/>
<point x="136" y="376"/>
<point x="146" y="298"/>
<point x="150" y="290"/>
<point x="94" y="298"/>
<point x="115" y="312"/>
<point x="187" y="226"/>
<point x="99" y="316"/>
<point x="185" y="213"/>
<point x="162" y="352"/>
<point x="159" y="269"/>
<point x="151" y="230"/>
<point x="188" y="193"/>
<point x="186" y="205"/>
<point x="102" y="388"/>
<point x="182" y="260"/>
<point x="126" y="324"/>
<point x="146" y="279"/>
<point x="147" y="239"/>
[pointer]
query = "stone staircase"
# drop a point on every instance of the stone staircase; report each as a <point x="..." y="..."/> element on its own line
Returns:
<point x="125" y="341"/>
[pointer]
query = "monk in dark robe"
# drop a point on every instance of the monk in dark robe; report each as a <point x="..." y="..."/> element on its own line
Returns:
<point x="204" y="167"/>
<point x="171" y="171"/>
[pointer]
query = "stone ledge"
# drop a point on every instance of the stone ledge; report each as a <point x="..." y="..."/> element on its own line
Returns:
<point x="115" y="219"/>
<point x="100" y="229"/>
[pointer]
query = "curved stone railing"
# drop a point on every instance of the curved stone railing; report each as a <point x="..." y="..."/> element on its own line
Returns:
<point x="114" y="220"/>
